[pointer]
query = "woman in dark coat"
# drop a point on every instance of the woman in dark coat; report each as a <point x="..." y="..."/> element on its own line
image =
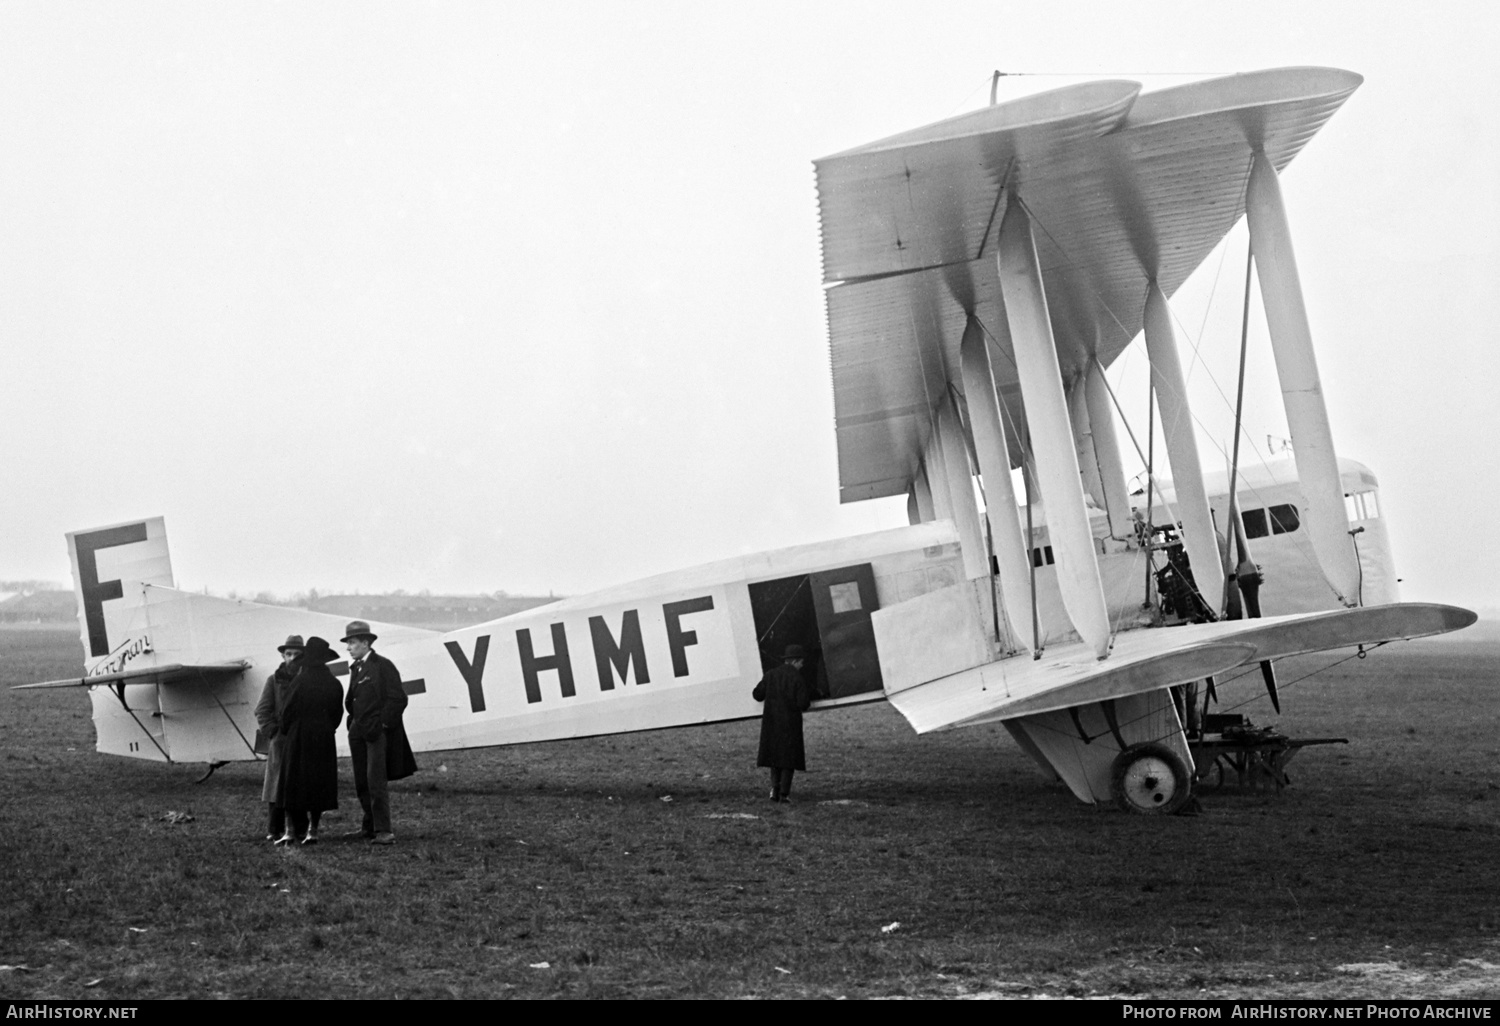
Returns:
<point x="311" y="713"/>
<point x="785" y="695"/>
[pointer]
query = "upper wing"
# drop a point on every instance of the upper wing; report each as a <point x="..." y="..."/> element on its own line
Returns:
<point x="1146" y="660"/>
<point x="1122" y="187"/>
<point x="172" y="673"/>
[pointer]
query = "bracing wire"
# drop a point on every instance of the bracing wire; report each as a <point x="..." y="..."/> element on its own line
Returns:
<point x="1302" y="544"/>
<point x="1071" y="263"/>
<point x="782" y="612"/>
<point x="1239" y="405"/>
<point x="1197" y="341"/>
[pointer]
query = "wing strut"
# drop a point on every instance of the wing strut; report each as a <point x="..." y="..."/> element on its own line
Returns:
<point x="1301" y="387"/>
<point x="1036" y="624"/>
<point x="1231" y="528"/>
<point x="1182" y="448"/>
<point x="1239" y="602"/>
<point x="1050" y="429"/>
<point x="991" y="450"/>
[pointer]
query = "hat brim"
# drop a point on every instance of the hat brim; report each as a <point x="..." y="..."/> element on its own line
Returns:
<point x="299" y="648"/>
<point x="351" y="637"/>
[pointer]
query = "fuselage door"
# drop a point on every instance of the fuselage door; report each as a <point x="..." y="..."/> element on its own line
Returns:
<point x="843" y="600"/>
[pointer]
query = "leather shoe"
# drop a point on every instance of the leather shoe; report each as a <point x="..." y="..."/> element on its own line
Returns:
<point x="355" y="835"/>
<point x="284" y="840"/>
<point x="383" y="839"/>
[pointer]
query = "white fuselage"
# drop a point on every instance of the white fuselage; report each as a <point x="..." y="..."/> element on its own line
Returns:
<point x="677" y="649"/>
<point x="682" y="648"/>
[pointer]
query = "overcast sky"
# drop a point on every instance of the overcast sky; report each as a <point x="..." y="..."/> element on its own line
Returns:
<point x="527" y="296"/>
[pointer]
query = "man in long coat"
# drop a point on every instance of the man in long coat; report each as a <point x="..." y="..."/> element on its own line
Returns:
<point x="310" y="718"/>
<point x="377" y="740"/>
<point x="785" y="695"/>
<point x="270" y="732"/>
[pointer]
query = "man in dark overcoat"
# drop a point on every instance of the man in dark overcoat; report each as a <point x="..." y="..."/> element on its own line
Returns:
<point x="310" y="719"/>
<point x="785" y="695"/>
<point x="377" y="740"/>
<point x="270" y="733"/>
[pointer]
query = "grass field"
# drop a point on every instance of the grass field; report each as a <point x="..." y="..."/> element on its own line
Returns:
<point x="651" y="865"/>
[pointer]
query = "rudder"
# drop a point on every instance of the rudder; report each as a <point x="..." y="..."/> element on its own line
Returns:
<point x="106" y="562"/>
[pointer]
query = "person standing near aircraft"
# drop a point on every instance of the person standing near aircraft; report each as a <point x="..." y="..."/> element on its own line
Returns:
<point x="785" y="695"/>
<point x="310" y="718"/>
<point x="377" y="740"/>
<point x="270" y="729"/>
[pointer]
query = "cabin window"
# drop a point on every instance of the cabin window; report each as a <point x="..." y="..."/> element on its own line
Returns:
<point x="1284" y="519"/>
<point x="1281" y="519"/>
<point x="1042" y="556"/>
<point x="844" y="597"/>
<point x="1362" y="506"/>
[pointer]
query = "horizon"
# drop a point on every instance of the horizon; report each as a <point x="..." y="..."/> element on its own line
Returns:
<point x="560" y="299"/>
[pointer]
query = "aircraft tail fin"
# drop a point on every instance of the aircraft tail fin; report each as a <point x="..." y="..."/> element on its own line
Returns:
<point x="174" y="676"/>
<point x="109" y="566"/>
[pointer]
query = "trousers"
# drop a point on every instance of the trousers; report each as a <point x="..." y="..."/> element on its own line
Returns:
<point x="370" y="782"/>
<point x="781" y="782"/>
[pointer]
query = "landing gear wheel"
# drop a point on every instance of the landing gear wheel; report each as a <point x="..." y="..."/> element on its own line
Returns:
<point x="1150" y="780"/>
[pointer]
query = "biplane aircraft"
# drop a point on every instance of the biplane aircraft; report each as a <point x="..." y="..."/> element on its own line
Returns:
<point x="981" y="274"/>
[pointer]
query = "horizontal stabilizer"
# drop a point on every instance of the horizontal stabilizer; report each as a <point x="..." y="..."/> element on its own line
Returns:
<point x="1150" y="658"/>
<point x="173" y="673"/>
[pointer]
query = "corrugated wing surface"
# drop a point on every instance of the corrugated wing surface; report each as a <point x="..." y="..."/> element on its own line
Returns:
<point x="1121" y="187"/>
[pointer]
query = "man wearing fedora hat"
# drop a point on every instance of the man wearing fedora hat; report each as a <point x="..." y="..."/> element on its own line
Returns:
<point x="377" y="741"/>
<point x="273" y="698"/>
<point x="785" y="695"/>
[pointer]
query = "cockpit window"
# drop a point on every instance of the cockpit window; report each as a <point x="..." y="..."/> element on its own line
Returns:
<point x="1362" y="506"/>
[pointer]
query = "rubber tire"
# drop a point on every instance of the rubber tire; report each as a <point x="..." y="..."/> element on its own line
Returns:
<point x="1164" y="802"/>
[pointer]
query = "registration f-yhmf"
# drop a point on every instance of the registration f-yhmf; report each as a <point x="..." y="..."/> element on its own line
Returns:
<point x="982" y="274"/>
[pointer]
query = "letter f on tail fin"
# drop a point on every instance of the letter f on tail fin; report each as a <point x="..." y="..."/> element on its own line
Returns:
<point x="109" y="565"/>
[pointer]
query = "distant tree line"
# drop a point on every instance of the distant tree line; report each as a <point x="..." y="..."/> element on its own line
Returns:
<point x="53" y="604"/>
